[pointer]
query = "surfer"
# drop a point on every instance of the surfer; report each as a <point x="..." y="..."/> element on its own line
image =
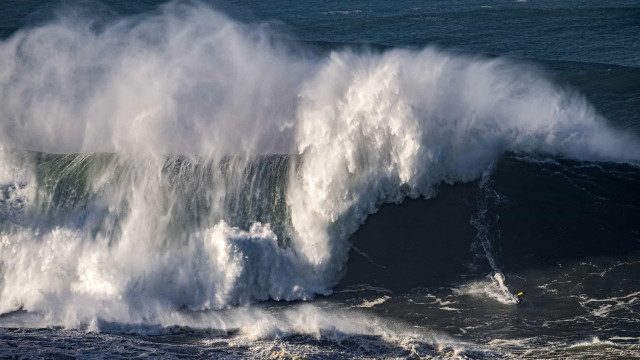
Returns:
<point x="520" y="297"/>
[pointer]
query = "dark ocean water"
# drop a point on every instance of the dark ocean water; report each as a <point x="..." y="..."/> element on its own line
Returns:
<point x="280" y="179"/>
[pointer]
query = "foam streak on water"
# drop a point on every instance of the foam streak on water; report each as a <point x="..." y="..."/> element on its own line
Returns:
<point x="484" y="223"/>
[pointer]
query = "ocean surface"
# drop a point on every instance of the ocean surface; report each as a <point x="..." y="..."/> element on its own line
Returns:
<point x="320" y="179"/>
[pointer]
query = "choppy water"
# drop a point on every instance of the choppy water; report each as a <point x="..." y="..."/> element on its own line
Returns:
<point x="320" y="180"/>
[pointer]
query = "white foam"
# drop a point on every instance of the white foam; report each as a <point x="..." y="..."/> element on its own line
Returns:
<point x="626" y="339"/>
<point x="491" y="287"/>
<point x="603" y="307"/>
<point x="365" y="287"/>
<point x="442" y="304"/>
<point x="75" y="279"/>
<point x="595" y="341"/>
<point x="372" y="303"/>
<point x="263" y="328"/>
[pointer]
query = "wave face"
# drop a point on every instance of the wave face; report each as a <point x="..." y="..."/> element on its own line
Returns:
<point x="167" y="190"/>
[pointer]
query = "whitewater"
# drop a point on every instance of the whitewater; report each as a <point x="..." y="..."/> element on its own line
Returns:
<point x="160" y="165"/>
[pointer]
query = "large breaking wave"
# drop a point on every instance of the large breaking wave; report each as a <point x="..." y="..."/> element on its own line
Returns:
<point x="209" y="164"/>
